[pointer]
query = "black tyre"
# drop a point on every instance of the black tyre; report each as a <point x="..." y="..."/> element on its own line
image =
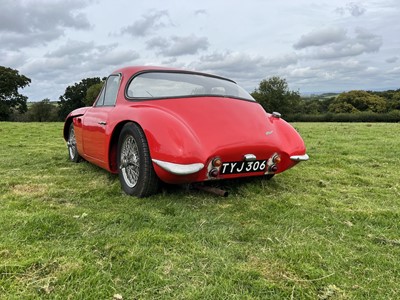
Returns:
<point x="136" y="172"/>
<point x="71" y="143"/>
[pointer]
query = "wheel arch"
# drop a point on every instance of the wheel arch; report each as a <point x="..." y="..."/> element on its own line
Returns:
<point x="66" y="128"/>
<point x="113" y="145"/>
<point x="67" y="123"/>
<point x="70" y="118"/>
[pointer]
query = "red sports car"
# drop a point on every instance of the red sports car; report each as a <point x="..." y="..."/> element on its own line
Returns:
<point x="152" y="124"/>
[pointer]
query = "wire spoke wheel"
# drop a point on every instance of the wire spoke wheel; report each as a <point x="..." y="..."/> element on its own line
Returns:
<point x="130" y="161"/>
<point x="71" y="143"/>
<point x="136" y="172"/>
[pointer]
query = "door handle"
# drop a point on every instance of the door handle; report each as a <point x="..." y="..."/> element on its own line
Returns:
<point x="102" y="123"/>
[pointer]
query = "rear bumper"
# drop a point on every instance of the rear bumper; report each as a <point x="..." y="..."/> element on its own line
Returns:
<point x="179" y="169"/>
<point x="300" y="157"/>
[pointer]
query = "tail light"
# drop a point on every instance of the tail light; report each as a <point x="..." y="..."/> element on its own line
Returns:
<point x="276" y="159"/>
<point x="217" y="162"/>
<point x="272" y="163"/>
<point x="213" y="168"/>
<point x="213" y="172"/>
<point x="273" y="168"/>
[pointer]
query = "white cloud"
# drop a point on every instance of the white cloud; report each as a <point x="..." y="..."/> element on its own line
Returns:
<point x="148" y="24"/>
<point x="304" y="72"/>
<point x="230" y="62"/>
<point x="178" y="45"/>
<point x="199" y="12"/>
<point x="394" y="71"/>
<point x="392" y="59"/>
<point x="320" y="37"/>
<point x="354" y="9"/>
<point x="57" y="43"/>
<point x="337" y="45"/>
<point x="13" y="59"/>
<point x="71" y="47"/>
<point x="33" y="23"/>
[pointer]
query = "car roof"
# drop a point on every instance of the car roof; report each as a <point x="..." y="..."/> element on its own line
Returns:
<point x="135" y="69"/>
<point x="132" y="70"/>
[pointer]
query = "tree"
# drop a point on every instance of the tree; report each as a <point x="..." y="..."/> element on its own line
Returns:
<point x="394" y="103"/>
<point x="10" y="99"/>
<point x="75" y="95"/>
<point x="356" y="101"/>
<point x="274" y="95"/>
<point x="309" y="106"/>
<point x="42" y="111"/>
<point x="342" y="107"/>
<point x="92" y="93"/>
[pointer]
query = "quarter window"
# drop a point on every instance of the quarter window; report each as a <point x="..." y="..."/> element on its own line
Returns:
<point x="109" y="92"/>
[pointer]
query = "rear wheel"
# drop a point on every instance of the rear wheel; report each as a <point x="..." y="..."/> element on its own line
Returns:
<point x="71" y="143"/>
<point x="136" y="172"/>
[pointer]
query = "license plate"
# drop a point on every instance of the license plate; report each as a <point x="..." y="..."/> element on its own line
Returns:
<point x="237" y="167"/>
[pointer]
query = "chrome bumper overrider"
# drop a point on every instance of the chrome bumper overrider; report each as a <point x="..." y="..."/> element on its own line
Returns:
<point x="179" y="169"/>
<point x="300" y="157"/>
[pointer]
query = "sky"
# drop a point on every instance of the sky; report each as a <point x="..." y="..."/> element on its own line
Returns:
<point x="316" y="46"/>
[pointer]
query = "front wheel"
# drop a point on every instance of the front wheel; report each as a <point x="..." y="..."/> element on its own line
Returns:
<point x="71" y="143"/>
<point x="136" y="172"/>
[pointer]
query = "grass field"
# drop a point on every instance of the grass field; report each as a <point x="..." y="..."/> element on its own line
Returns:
<point x="326" y="229"/>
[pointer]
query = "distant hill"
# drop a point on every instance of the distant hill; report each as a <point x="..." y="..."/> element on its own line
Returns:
<point x="319" y="95"/>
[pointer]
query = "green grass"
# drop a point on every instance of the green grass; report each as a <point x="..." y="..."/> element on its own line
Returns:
<point x="326" y="229"/>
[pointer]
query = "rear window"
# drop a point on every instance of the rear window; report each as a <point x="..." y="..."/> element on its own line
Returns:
<point x="162" y="84"/>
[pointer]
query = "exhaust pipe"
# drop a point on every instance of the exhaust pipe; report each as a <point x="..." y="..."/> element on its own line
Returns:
<point x="212" y="190"/>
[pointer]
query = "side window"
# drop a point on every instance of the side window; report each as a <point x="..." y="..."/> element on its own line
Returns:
<point x="109" y="93"/>
<point x="100" y="100"/>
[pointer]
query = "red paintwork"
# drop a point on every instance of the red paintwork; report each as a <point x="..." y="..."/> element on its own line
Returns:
<point x="185" y="131"/>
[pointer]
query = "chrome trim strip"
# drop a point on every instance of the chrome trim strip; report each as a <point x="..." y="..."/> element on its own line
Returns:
<point x="300" y="157"/>
<point x="249" y="157"/>
<point x="179" y="169"/>
<point x="275" y="114"/>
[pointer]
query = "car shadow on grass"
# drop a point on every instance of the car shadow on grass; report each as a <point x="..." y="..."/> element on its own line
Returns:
<point x="222" y="188"/>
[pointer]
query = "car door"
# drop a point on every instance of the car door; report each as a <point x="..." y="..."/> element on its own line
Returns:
<point x="96" y="119"/>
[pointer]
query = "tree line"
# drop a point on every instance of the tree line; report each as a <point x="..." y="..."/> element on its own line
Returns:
<point x="14" y="106"/>
<point x="352" y="106"/>
<point x="272" y="93"/>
